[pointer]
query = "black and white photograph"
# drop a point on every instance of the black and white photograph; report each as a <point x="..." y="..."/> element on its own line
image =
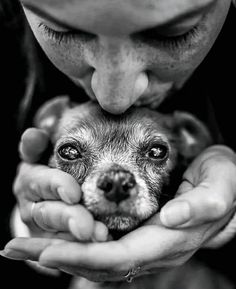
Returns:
<point x="118" y="144"/>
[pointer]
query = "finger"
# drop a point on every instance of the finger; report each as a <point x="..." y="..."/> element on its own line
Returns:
<point x="207" y="202"/>
<point x="27" y="248"/>
<point x="208" y="192"/>
<point x="146" y="245"/>
<point x="58" y="216"/>
<point x="39" y="182"/>
<point x="33" y="143"/>
<point x="31" y="249"/>
<point x="142" y="246"/>
<point x="100" y="233"/>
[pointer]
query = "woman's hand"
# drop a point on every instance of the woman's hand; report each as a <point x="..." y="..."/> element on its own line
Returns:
<point x="198" y="215"/>
<point x="40" y="191"/>
<point x="151" y="247"/>
<point x="207" y="194"/>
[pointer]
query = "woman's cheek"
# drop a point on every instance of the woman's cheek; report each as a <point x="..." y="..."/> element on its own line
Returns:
<point x="70" y="59"/>
<point x="179" y="61"/>
<point x="179" y="64"/>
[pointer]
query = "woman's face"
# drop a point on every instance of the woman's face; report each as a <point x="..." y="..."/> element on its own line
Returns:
<point x="126" y="52"/>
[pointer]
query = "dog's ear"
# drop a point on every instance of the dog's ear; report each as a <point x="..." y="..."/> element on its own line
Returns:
<point x="192" y="135"/>
<point x="48" y="115"/>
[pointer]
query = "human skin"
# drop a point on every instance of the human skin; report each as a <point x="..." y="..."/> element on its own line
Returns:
<point x="116" y="57"/>
<point x="117" y="63"/>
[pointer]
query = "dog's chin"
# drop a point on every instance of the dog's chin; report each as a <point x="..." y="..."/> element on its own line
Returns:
<point x="119" y="223"/>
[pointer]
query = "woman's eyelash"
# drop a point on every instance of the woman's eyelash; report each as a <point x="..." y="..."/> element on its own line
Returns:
<point x="149" y="36"/>
<point x="65" y="36"/>
<point x="153" y="38"/>
<point x="181" y="40"/>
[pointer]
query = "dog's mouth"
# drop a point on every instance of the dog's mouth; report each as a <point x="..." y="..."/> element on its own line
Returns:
<point x="123" y="217"/>
<point x="121" y="222"/>
<point x="121" y="209"/>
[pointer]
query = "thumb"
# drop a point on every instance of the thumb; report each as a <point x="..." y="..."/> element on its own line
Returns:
<point x="33" y="143"/>
<point x="204" y="203"/>
<point x="207" y="192"/>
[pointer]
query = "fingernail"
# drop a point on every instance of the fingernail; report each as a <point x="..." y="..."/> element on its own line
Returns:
<point x="2" y="253"/>
<point x="74" y="228"/>
<point x="14" y="254"/>
<point x="63" y="195"/>
<point x="176" y="213"/>
<point x="100" y="233"/>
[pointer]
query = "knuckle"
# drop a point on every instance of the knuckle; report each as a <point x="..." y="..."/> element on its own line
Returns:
<point x="43" y="217"/>
<point x="217" y="207"/>
<point x="40" y="214"/>
<point x="56" y="178"/>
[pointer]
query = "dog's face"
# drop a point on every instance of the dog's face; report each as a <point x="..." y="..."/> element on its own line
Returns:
<point x="122" y="162"/>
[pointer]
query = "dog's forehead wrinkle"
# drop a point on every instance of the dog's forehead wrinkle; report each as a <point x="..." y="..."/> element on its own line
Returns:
<point x="109" y="158"/>
<point x="101" y="128"/>
<point x="144" y="138"/>
<point x="149" y="133"/>
<point x="80" y="116"/>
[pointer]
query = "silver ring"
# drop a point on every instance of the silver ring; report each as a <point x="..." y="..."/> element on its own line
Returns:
<point x="131" y="274"/>
<point x="41" y="225"/>
<point x="32" y="213"/>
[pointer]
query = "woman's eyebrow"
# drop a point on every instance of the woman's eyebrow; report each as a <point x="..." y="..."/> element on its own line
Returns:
<point x="189" y="14"/>
<point x="42" y="13"/>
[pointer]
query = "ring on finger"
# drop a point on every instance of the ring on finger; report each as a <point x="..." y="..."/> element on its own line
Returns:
<point x="132" y="273"/>
<point x="41" y="223"/>
<point x="32" y="213"/>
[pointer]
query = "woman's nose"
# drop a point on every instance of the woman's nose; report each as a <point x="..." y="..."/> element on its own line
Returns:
<point x="119" y="77"/>
<point x="116" y="91"/>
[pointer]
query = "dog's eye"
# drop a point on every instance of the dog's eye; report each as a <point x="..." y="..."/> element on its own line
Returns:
<point x="69" y="152"/>
<point x="157" y="153"/>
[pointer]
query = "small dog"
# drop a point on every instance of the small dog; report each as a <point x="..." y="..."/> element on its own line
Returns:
<point x="128" y="166"/>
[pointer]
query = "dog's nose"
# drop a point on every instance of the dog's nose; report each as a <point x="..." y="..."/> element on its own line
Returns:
<point x="116" y="184"/>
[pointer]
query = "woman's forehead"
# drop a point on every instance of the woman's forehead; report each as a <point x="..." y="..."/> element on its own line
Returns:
<point x="122" y="15"/>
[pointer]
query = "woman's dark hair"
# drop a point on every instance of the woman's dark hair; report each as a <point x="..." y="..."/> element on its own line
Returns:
<point x="39" y="79"/>
<point x="17" y="54"/>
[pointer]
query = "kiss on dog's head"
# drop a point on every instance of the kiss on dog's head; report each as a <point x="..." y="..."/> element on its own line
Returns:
<point x="124" y="163"/>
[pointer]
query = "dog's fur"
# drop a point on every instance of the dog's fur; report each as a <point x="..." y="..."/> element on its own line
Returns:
<point x="128" y="166"/>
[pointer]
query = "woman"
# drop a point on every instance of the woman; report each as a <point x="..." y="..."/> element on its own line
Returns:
<point x="127" y="53"/>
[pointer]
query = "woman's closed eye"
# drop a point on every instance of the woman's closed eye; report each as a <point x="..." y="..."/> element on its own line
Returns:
<point x="168" y="40"/>
<point x="149" y="36"/>
<point x="172" y="36"/>
<point x="61" y="35"/>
